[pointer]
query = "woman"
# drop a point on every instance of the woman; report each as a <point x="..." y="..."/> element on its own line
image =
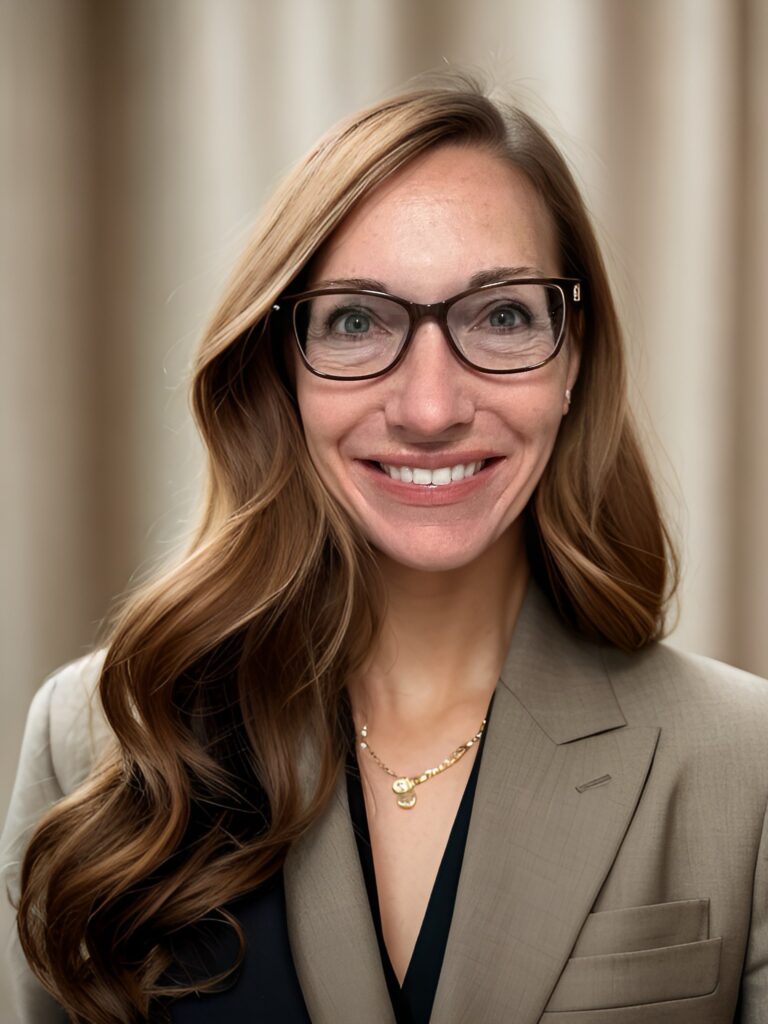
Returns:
<point x="429" y="581"/>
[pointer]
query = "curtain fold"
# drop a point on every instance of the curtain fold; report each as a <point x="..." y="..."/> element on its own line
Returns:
<point x="139" y="141"/>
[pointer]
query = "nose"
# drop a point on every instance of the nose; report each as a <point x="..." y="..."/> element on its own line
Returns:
<point x="430" y="390"/>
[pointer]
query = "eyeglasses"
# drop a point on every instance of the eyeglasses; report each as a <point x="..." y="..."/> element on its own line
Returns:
<point x="504" y="327"/>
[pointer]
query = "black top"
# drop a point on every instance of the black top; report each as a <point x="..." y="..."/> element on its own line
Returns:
<point x="412" y="1003"/>
<point x="267" y="987"/>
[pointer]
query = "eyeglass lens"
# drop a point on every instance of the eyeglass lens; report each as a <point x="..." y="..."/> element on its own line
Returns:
<point x="507" y="327"/>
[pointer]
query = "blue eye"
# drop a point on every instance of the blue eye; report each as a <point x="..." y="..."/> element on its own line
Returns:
<point x="350" y="322"/>
<point x="507" y="316"/>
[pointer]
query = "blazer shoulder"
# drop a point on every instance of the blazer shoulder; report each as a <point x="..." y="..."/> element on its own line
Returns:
<point x="64" y="733"/>
<point x="666" y="685"/>
<point x="78" y="730"/>
<point x="66" y="729"/>
<point x="688" y="672"/>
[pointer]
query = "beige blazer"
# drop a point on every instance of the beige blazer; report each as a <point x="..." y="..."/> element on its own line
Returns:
<point x="616" y="867"/>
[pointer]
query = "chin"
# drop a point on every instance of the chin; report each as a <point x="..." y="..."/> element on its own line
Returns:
<point x="438" y="554"/>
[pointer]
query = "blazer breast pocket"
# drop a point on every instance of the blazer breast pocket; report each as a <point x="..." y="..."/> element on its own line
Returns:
<point x="635" y="956"/>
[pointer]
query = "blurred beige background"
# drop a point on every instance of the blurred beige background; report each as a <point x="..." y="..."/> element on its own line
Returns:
<point x="138" y="140"/>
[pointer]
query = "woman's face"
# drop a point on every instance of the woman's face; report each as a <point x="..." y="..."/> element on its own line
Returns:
<point x="423" y="234"/>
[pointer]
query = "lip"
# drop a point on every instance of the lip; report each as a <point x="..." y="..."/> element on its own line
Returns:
<point x="425" y="494"/>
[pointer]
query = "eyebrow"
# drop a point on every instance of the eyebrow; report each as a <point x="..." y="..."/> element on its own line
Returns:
<point x="489" y="276"/>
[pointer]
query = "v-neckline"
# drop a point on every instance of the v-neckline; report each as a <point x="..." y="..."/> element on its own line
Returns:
<point x="423" y="971"/>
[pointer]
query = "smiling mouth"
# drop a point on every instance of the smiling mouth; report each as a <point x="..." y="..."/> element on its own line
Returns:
<point x="433" y="477"/>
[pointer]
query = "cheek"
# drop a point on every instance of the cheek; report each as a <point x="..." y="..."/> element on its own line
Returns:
<point x="533" y="409"/>
<point x="314" y="417"/>
<point x="324" y="423"/>
<point x="533" y="423"/>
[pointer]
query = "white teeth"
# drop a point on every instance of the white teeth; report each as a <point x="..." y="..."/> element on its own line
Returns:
<point x="433" y="477"/>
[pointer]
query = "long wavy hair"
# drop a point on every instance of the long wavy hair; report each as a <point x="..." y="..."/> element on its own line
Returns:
<point x="218" y="672"/>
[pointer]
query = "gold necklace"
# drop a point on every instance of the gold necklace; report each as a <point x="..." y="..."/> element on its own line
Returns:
<point x="403" y="785"/>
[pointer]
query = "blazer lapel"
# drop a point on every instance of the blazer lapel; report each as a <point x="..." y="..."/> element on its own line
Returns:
<point x="330" y="927"/>
<point x="559" y="782"/>
<point x="560" y="777"/>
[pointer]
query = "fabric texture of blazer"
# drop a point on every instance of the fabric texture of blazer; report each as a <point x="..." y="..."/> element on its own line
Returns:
<point x="616" y="867"/>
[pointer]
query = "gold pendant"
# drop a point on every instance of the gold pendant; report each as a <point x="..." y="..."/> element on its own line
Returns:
<point x="406" y="798"/>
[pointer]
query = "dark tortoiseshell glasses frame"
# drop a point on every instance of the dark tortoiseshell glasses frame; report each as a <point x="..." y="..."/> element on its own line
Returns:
<point x="570" y="289"/>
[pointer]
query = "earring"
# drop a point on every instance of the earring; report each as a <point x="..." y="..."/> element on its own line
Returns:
<point x="568" y="396"/>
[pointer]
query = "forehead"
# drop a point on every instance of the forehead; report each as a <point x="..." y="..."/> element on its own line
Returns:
<point x="436" y="222"/>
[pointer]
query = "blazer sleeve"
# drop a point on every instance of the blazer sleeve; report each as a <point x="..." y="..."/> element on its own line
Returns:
<point x="753" y="998"/>
<point x="63" y="731"/>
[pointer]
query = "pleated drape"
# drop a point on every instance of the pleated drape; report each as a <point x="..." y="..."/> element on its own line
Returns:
<point x="138" y="141"/>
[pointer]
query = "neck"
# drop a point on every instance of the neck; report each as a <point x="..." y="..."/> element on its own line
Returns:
<point x="443" y="641"/>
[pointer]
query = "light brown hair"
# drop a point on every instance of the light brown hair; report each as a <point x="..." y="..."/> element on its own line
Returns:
<point x="220" y="671"/>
